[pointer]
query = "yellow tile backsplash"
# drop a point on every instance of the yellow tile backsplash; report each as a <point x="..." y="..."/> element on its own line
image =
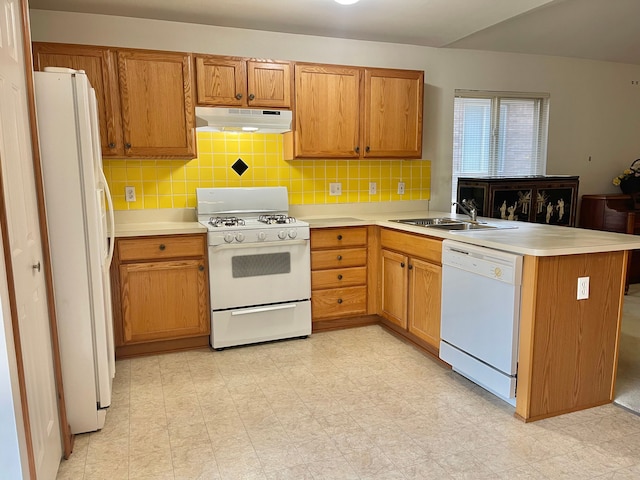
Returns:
<point x="173" y="183"/>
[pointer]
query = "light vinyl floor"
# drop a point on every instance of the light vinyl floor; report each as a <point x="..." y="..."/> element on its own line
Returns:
<point x="350" y="404"/>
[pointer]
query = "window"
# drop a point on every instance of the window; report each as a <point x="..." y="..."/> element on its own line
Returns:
<point x="499" y="134"/>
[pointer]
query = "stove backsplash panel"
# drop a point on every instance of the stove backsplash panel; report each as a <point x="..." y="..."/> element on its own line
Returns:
<point x="172" y="183"/>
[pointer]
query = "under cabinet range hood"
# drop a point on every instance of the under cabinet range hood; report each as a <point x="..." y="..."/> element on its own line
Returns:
<point x="242" y="120"/>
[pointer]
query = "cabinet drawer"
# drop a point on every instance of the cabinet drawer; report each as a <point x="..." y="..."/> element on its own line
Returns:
<point x="161" y="247"/>
<point x="339" y="302"/>
<point x="339" y="237"/>
<point x="338" y="277"/>
<point x="412" y="245"/>
<point x="339" y="258"/>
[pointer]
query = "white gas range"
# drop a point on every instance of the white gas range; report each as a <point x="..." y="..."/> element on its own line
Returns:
<point x="259" y="265"/>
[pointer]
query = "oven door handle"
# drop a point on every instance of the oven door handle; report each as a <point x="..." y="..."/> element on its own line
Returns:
<point x="238" y="246"/>
<point x="263" y="309"/>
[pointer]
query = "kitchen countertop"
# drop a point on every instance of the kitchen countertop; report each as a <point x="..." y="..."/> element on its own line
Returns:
<point x="527" y="239"/>
<point x="168" y="221"/>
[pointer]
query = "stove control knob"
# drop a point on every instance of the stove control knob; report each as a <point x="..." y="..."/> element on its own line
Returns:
<point x="228" y="237"/>
<point x="282" y="234"/>
<point x="240" y="237"/>
<point x="293" y="234"/>
<point x="262" y="236"/>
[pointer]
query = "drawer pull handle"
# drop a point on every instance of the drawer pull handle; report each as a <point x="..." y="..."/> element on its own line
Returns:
<point x="339" y="277"/>
<point x="162" y="246"/>
<point x="339" y="237"/>
<point x="339" y="257"/>
<point x="339" y="300"/>
<point x="401" y="264"/>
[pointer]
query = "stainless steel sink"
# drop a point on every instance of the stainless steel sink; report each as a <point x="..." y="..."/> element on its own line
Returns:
<point x="464" y="226"/>
<point x="428" y="222"/>
<point x="449" y="224"/>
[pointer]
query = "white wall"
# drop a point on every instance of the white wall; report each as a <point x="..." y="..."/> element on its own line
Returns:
<point x="594" y="129"/>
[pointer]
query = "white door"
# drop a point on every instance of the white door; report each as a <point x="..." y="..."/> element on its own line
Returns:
<point x="24" y="245"/>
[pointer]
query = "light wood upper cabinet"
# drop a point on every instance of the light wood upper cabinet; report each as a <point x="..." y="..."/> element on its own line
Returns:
<point x="327" y="111"/>
<point x="157" y="108"/>
<point x="353" y="112"/>
<point x="240" y="82"/>
<point x="99" y="63"/>
<point x="145" y="102"/>
<point x="393" y="101"/>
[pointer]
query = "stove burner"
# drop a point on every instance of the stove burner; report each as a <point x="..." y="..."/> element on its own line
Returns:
<point x="226" y="221"/>
<point x="276" y="219"/>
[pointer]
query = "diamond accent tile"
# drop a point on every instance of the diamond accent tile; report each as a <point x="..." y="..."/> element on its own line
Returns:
<point x="239" y="167"/>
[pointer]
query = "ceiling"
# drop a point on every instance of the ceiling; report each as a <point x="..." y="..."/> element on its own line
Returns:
<point x="592" y="29"/>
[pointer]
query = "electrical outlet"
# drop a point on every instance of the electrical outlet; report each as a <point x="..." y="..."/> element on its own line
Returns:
<point x="335" y="189"/>
<point x="583" y="288"/>
<point x="400" y="188"/>
<point x="130" y="194"/>
<point x="373" y="188"/>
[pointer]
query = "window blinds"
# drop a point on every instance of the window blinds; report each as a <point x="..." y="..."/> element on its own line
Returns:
<point x="499" y="134"/>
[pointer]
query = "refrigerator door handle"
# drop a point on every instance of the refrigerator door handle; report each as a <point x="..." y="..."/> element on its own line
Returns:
<point x="111" y="230"/>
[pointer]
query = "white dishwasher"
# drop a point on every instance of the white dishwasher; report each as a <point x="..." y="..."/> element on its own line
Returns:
<point x="481" y="315"/>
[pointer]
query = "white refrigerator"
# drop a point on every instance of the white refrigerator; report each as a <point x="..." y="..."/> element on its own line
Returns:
<point x="80" y="225"/>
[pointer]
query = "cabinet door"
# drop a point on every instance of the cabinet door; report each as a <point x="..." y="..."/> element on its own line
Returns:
<point x="327" y="104"/>
<point x="393" y="102"/>
<point x="163" y="300"/>
<point x="100" y="66"/>
<point x="394" y="288"/>
<point x="157" y="108"/>
<point x="269" y="84"/>
<point x="425" y="280"/>
<point x="221" y="81"/>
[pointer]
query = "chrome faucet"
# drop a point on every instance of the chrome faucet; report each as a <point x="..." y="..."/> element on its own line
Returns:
<point x="468" y="208"/>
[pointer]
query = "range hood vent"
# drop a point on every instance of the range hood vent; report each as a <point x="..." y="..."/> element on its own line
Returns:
<point x="242" y="120"/>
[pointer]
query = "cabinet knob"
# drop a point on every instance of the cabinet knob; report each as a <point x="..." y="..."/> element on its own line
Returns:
<point x="162" y="246"/>
<point x="339" y="277"/>
<point x="367" y="149"/>
<point x="339" y="237"/>
<point x="36" y="267"/>
<point x="339" y="300"/>
<point x="401" y="264"/>
<point x="238" y="96"/>
<point x="112" y="145"/>
<point x="357" y="149"/>
<point x="127" y="145"/>
<point x="410" y="267"/>
<point x="339" y="257"/>
<point x="252" y="96"/>
<point x="201" y="267"/>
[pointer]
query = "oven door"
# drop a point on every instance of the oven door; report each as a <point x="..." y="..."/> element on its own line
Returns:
<point x="260" y="273"/>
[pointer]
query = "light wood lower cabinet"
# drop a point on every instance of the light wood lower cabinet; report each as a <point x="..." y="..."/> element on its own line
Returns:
<point x="338" y="273"/>
<point x="160" y="294"/>
<point x="410" y="279"/>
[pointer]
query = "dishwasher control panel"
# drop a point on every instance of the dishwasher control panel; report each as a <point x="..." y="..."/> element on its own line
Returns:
<point x="502" y="266"/>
